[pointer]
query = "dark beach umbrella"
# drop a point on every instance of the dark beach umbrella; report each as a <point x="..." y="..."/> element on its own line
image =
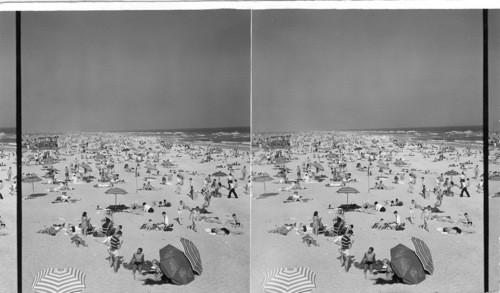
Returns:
<point x="193" y="255"/>
<point x="115" y="191"/>
<point x="495" y="177"/>
<point x="264" y="179"/>
<point x="32" y="180"/>
<point x="424" y="255"/>
<point x="451" y="173"/>
<point x="406" y="265"/>
<point x="59" y="280"/>
<point x="289" y="280"/>
<point x="167" y="164"/>
<point x="86" y="167"/>
<point x="318" y="166"/>
<point x="175" y="265"/>
<point x="219" y="174"/>
<point x="347" y="190"/>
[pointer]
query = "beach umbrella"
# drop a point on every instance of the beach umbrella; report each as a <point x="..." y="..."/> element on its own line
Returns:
<point x="494" y="177"/>
<point x="451" y="173"/>
<point x="167" y="164"/>
<point x="32" y="180"/>
<point x="86" y="167"/>
<point x="347" y="190"/>
<point x="219" y="174"/>
<point x="193" y="255"/>
<point x="115" y="191"/>
<point x="406" y="265"/>
<point x="49" y="161"/>
<point x="424" y="255"/>
<point x="289" y="280"/>
<point x="59" y="280"/>
<point x="175" y="265"/>
<point x="281" y="160"/>
<point x="264" y="179"/>
<point x="318" y="166"/>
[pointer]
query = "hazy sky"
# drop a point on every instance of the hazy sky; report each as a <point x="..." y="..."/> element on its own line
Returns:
<point x="89" y="71"/>
<point x="494" y="69"/>
<point x="323" y="70"/>
<point x="7" y="69"/>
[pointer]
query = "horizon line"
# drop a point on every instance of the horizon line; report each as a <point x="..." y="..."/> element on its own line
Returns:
<point x="142" y="130"/>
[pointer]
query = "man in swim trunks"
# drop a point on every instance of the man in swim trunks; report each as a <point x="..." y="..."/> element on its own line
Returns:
<point x="368" y="260"/>
<point x="137" y="261"/>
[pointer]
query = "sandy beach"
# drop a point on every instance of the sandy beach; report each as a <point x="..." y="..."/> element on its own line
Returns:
<point x="8" y="213"/>
<point x="452" y="254"/>
<point x="225" y="259"/>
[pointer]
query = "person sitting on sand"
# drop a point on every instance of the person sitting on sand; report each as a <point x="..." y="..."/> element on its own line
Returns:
<point x="379" y="225"/>
<point x="466" y="220"/>
<point x="137" y="261"/>
<point x="147" y="208"/>
<point x="379" y="207"/>
<point x="155" y="274"/>
<point x="368" y="260"/>
<point x="237" y="222"/>
<point x="386" y="275"/>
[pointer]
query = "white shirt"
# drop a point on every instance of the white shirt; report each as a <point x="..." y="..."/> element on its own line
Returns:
<point x="166" y="220"/>
<point x="398" y="219"/>
<point x="146" y="207"/>
<point x="378" y="207"/>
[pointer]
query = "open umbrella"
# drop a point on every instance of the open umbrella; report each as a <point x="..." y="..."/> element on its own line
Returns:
<point x="264" y="179"/>
<point x="289" y="280"/>
<point x="32" y="180"/>
<point x="451" y="173"/>
<point x="193" y="255"/>
<point x="406" y="265"/>
<point x="424" y="255"/>
<point x="494" y="177"/>
<point x="318" y="166"/>
<point x="175" y="265"/>
<point x="347" y="190"/>
<point x="167" y="164"/>
<point x="219" y="174"/>
<point x="115" y="191"/>
<point x="59" y="280"/>
<point x="86" y="167"/>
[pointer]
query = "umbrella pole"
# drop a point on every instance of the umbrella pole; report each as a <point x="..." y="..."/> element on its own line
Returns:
<point x="115" y="199"/>
<point x="33" y="185"/>
<point x="264" y="187"/>
<point x="368" y="179"/>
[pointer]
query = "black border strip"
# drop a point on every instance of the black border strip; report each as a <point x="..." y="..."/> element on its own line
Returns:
<point x="485" y="152"/>
<point x="19" y="152"/>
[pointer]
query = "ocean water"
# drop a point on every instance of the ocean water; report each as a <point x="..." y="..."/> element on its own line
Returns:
<point x="8" y="136"/>
<point x="231" y="135"/>
<point x="460" y="134"/>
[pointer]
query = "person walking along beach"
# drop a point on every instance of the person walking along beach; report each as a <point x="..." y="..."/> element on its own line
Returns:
<point x="464" y="185"/>
<point x="231" y="189"/>
<point x="115" y="246"/>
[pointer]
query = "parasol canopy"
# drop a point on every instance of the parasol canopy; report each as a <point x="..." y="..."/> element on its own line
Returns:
<point x="32" y="180"/>
<point x="289" y="280"/>
<point x="406" y="265"/>
<point x="115" y="191"/>
<point x="193" y="255"/>
<point x="424" y="255"/>
<point x="264" y="179"/>
<point x="347" y="190"/>
<point x="175" y="265"/>
<point x="59" y="280"/>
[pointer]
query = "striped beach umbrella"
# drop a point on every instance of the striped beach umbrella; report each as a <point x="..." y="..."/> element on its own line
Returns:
<point x="115" y="191"/>
<point x="193" y="255"/>
<point x="59" y="280"/>
<point x="424" y="254"/>
<point x="289" y="280"/>
<point x="347" y="190"/>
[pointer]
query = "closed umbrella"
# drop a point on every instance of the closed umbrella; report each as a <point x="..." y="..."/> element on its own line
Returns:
<point x="193" y="255"/>
<point x="289" y="280"/>
<point x="115" y="191"/>
<point x="406" y="265"/>
<point x="32" y="180"/>
<point x="424" y="255"/>
<point x="264" y="179"/>
<point x="347" y="190"/>
<point x="175" y="265"/>
<point x="59" y="280"/>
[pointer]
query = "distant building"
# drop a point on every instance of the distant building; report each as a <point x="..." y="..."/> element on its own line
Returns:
<point x="42" y="143"/>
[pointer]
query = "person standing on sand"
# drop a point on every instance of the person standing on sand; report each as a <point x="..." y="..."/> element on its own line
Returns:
<point x="464" y="188"/>
<point x="178" y="185"/>
<point x="425" y="217"/>
<point x="115" y="246"/>
<point x="315" y="223"/>
<point x="9" y="174"/>
<point x="244" y="173"/>
<point x="345" y="246"/>
<point x="194" y="217"/>
<point x="191" y="189"/>
<point x="476" y="172"/>
<point x="412" y="209"/>
<point x="231" y="189"/>
<point x="180" y="208"/>
<point x="85" y="224"/>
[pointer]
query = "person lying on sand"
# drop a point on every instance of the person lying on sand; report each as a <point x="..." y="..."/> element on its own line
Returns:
<point x="454" y="230"/>
<point x="386" y="274"/>
<point x="155" y="274"/>
<point x="379" y="225"/>
<point x="446" y="219"/>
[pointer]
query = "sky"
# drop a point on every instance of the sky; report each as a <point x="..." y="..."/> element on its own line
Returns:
<point x="494" y="69"/>
<point x="99" y="71"/>
<point x="7" y="70"/>
<point x="328" y="70"/>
